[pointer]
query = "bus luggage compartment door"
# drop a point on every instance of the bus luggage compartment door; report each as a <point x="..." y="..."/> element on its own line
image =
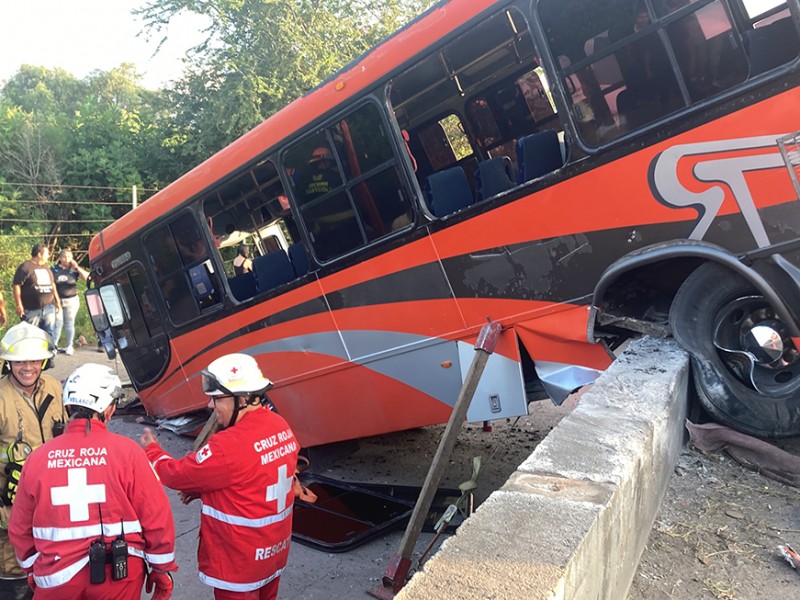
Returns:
<point x="501" y="392"/>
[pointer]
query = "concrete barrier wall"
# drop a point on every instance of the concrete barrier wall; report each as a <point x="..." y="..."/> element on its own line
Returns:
<point x="574" y="518"/>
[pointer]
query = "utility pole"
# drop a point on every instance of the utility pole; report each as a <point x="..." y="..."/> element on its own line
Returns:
<point x="133" y="197"/>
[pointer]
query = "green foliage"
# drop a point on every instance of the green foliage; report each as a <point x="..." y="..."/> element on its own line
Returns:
<point x="260" y="55"/>
<point x="71" y="150"/>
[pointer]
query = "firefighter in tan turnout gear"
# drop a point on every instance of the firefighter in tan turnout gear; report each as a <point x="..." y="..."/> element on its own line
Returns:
<point x="31" y="414"/>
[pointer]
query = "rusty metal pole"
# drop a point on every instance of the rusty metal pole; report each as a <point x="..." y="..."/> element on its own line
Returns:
<point x="400" y="563"/>
<point x="209" y="429"/>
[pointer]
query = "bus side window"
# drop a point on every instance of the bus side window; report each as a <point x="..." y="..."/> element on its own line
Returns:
<point x="348" y="190"/>
<point x="466" y="106"/>
<point x="179" y="256"/>
<point x="631" y="62"/>
<point x="445" y="145"/>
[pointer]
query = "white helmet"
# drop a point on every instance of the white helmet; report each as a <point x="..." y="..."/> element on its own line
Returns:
<point x="234" y="374"/>
<point x="92" y="386"/>
<point x="26" y="342"/>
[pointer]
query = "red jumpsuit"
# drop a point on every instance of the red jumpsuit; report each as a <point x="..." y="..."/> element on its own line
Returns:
<point x="66" y="486"/>
<point x="244" y="477"/>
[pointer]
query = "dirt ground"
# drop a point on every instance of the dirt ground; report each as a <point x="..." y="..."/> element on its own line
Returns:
<point x="501" y="450"/>
<point x="717" y="533"/>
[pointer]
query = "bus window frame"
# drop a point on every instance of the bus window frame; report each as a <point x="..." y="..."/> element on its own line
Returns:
<point x="736" y="11"/>
<point x="124" y="335"/>
<point x="400" y="160"/>
<point x="193" y="207"/>
<point x="506" y="132"/>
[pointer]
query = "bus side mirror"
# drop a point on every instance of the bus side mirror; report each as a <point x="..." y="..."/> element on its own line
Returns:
<point x="100" y="322"/>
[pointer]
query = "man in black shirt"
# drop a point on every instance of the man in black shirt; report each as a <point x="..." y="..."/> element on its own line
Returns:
<point x="35" y="291"/>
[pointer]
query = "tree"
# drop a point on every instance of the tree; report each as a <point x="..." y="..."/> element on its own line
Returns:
<point x="259" y="55"/>
<point x="70" y="151"/>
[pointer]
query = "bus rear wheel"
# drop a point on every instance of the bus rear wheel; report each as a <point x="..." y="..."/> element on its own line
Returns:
<point x="745" y="368"/>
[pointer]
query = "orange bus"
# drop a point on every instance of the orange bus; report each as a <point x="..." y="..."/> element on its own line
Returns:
<point x="581" y="171"/>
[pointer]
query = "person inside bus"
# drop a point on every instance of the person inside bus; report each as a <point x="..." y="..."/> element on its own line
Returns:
<point x="242" y="263"/>
<point x="650" y="86"/>
<point x="321" y="177"/>
<point x="689" y="45"/>
<point x="191" y="248"/>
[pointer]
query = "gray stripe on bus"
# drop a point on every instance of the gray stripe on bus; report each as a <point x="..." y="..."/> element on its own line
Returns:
<point x="417" y="361"/>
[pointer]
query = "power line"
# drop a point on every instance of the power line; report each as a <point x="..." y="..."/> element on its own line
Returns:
<point x="78" y="187"/>
<point x="44" y="235"/>
<point x="55" y="221"/>
<point x="73" y="202"/>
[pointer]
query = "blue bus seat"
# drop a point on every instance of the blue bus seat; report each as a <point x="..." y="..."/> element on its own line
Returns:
<point x="448" y="191"/>
<point x="538" y="154"/>
<point x="272" y="270"/>
<point x="298" y="255"/>
<point x="243" y="286"/>
<point x="494" y="176"/>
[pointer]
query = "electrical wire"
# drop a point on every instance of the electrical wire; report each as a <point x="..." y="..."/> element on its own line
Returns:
<point x="43" y="235"/>
<point x="58" y="221"/>
<point x="71" y="202"/>
<point x="77" y="187"/>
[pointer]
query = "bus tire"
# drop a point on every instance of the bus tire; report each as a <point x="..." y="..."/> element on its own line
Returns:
<point x="714" y="303"/>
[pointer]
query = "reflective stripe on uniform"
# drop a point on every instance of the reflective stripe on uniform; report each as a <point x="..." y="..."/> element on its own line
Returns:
<point x="237" y="587"/>
<point x="28" y="562"/>
<point x="61" y="577"/>
<point x="158" y="460"/>
<point x="60" y="534"/>
<point x="244" y="521"/>
<point x="152" y="559"/>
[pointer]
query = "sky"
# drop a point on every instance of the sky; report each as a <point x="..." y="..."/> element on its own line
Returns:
<point x="81" y="36"/>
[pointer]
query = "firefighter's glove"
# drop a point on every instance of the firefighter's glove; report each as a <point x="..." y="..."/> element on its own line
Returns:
<point x="31" y="582"/>
<point x="162" y="582"/>
<point x="13" y="471"/>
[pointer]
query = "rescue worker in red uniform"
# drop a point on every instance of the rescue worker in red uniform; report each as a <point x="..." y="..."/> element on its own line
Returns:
<point x="90" y="516"/>
<point x="244" y="477"/>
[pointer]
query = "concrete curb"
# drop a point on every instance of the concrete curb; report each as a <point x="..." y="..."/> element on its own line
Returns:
<point x="574" y="518"/>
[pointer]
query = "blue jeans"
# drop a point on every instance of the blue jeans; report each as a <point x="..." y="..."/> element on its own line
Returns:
<point x="66" y="319"/>
<point x="43" y="318"/>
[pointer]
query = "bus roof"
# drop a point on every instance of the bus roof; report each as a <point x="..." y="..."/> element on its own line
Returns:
<point x="421" y="33"/>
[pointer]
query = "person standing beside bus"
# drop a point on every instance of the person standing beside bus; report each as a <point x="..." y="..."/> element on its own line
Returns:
<point x="30" y="415"/>
<point x="244" y="477"/>
<point x="35" y="291"/>
<point x="90" y="516"/>
<point x="66" y="273"/>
